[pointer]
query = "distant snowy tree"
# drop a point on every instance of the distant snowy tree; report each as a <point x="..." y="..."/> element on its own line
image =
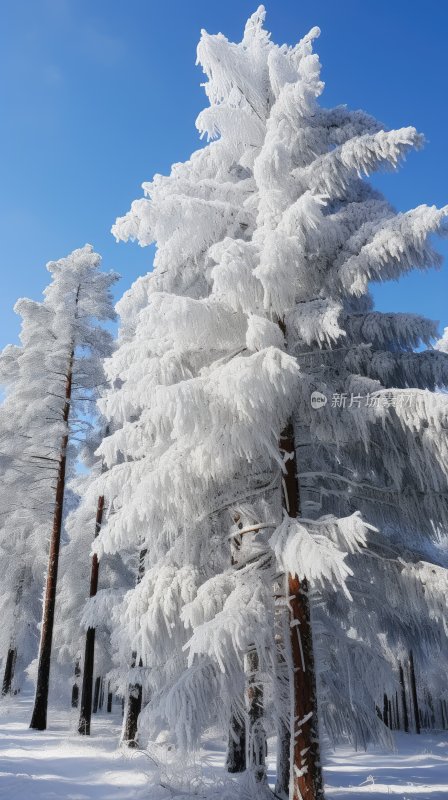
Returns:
<point x="57" y="372"/>
<point x="442" y="344"/>
<point x="267" y="240"/>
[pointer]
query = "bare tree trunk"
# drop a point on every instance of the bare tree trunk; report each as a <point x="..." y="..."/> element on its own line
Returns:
<point x="96" y="694"/>
<point x="306" y="782"/>
<point x="397" y="713"/>
<point x="109" y="699"/>
<point x="432" y="710"/>
<point x="385" y="711"/>
<point x="9" y="671"/>
<point x="403" y="699"/>
<point x="39" y="717"/>
<point x="414" y="692"/>
<point x="89" y="651"/>
<point x="75" y="687"/>
<point x="101" y="699"/>
<point x="442" y="715"/>
<point x="257" y="749"/>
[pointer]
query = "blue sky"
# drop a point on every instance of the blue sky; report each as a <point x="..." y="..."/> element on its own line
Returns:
<point x="98" y="95"/>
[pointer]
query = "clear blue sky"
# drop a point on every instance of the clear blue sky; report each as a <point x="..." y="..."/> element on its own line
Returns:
<point x="97" y="95"/>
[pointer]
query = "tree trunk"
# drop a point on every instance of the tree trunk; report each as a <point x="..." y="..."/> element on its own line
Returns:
<point x="39" y="717"/>
<point x="306" y="782"/>
<point x="236" y="748"/>
<point x="442" y="715"/>
<point x="9" y="671"/>
<point x="109" y="699"/>
<point x="135" y="690"/>
<point x="385" y="711"/>
<point x="433" y="713"/>
<point x="403" y="699"/>
<point x="397" y="713"/>
<point x="75" y="695"/>
<point x="101" y="700"/>
<point x="135" y="694"/>
<point x="257" y="746"/>
<point x="89" y="652"/>
<point x="414" y="692"/>
<point x="283" y="706"/>
<point x="96" y="694"/>
<point x="75" y="687"/>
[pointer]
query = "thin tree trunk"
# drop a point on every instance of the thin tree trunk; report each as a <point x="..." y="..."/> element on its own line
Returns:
<point x="432" y="715"/>
<point x="135" y="690"/>
<point x="397" y="713"/>
<point x="9" y="671"/>
<point x="135" y="695"/>
<point x="403" y="699"/>
<point x="442" y="715"/>
<point x="414" y="692"/>
<point x="109" y="699"/>
<point x="39" y="717"/>
<point x="89" y="651"/>
<point x="385" y="711"/>
<point x="236" y="748"/>
<point x="306" y="782"/>
<point x="75" y="687"/>
<point x="101" y="700"/>
<point x="96" y="694"/>
<point x="257" y="747"/>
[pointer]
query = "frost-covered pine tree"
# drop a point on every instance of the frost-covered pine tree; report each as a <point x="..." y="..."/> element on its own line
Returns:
<point x="80" y="578"/>
<point x="258" y="309"/>
<point x="57" y="372"/>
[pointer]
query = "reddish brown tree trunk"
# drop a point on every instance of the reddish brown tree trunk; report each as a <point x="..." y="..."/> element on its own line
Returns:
<point x="89" y="651"/>
<point x="306" y="781"/>
<point x="39" y="717"/>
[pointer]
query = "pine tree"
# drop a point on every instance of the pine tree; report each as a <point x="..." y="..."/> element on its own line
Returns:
<point x="258" y="308"/>
<point x="56" y="377"/>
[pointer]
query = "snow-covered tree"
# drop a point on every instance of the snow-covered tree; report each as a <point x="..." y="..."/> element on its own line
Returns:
<point x="56" y="376"/>
<point x="254" y="384"/>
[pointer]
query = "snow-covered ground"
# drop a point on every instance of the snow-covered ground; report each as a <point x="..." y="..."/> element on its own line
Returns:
<point x="418" y="770"/>
<point x="57" y="764"/>
<point x="60" y="765"/>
